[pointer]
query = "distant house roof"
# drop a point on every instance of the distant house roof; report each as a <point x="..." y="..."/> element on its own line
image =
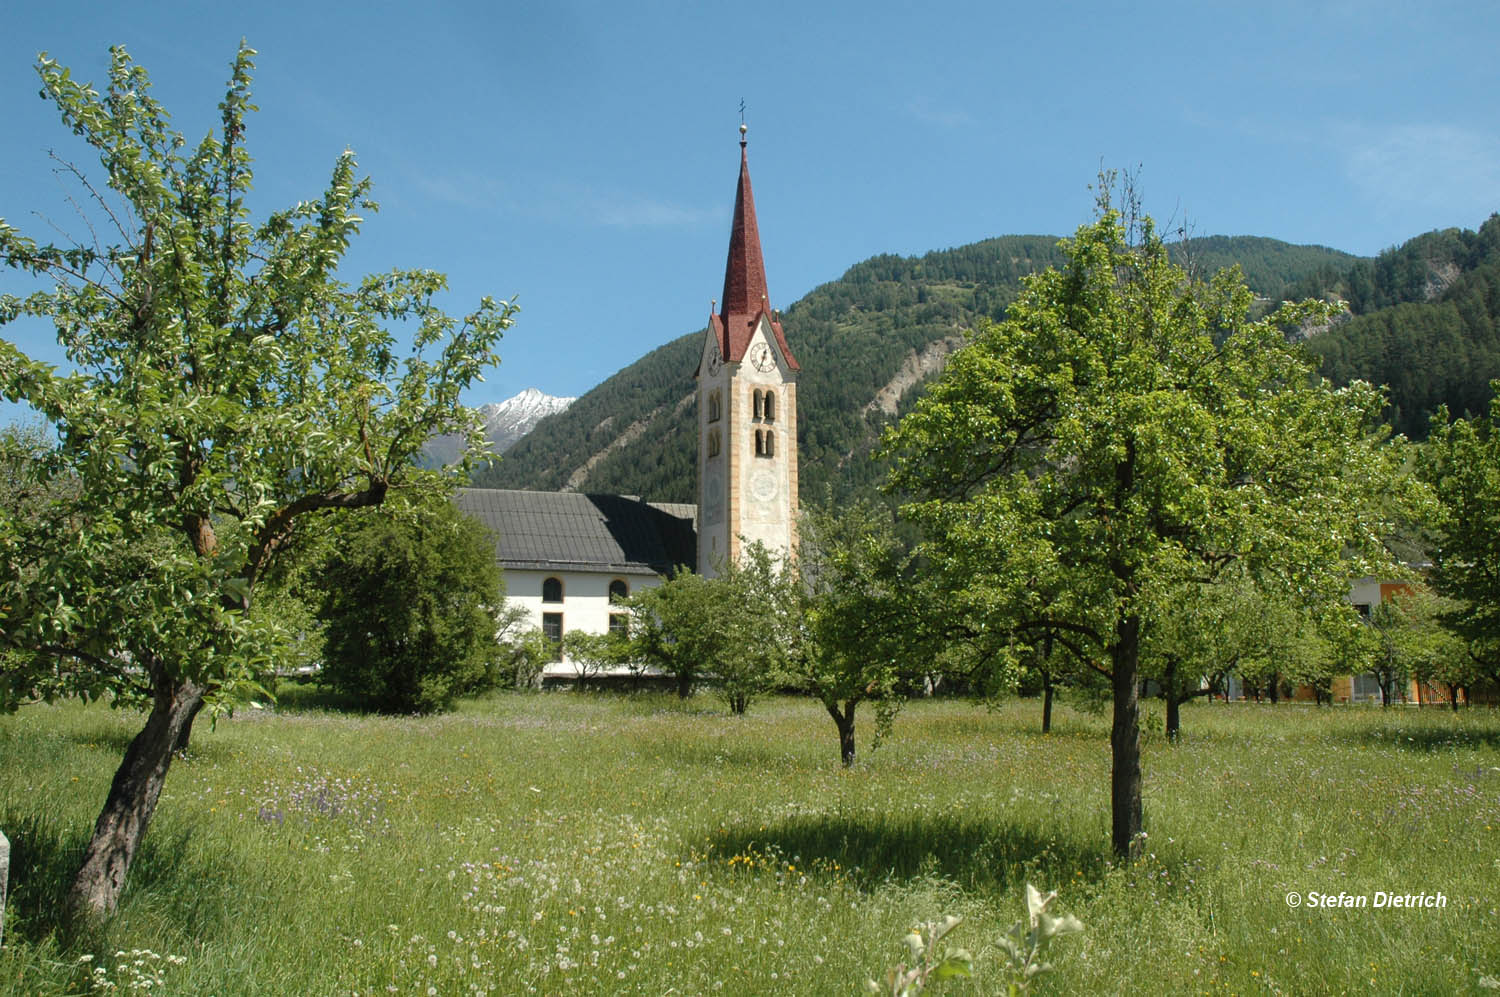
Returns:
<point x="571" y="530"/>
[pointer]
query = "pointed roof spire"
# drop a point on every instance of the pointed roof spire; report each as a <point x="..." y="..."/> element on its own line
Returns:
<point x="745" y="273"/>
<point x="745" y="295"/>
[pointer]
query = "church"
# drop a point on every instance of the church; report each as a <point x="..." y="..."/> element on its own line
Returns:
<point x="570" y="557"/>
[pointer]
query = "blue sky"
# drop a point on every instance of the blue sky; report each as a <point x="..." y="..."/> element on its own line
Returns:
<point x="582" y="156"/>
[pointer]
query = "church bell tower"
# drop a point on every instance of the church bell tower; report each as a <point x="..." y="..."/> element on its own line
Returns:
<point x="747" y="407"/>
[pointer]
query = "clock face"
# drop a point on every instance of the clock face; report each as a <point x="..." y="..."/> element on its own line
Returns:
<point x="763" y="486"/>
<point x="761" y="358"/>
<point x="713" y="362"/>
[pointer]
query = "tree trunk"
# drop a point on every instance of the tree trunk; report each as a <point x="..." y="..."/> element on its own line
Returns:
<point x="1125" y="740"/>
<point x="844" y="720"/>
<point x="1169" y="696"/>
<point x="1046" y="703"/>
<point x="1047" y="686"/>
<point x="132" y="799"/>
<point x="684" y="685"/>
<point x="186" y="734"/>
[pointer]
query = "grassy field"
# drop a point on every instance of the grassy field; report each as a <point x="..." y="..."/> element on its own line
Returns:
<point x="566" y="843"/>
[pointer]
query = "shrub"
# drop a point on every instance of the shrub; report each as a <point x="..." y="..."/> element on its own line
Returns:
<point x="411" y="602"/>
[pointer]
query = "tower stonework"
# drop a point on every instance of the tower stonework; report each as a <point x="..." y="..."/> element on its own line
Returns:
<point x="747" y="408"/>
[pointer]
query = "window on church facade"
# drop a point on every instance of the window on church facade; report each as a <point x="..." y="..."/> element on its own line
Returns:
<point x="755" y="407"/>
<point x="619" y="624"/>
<point x="768" y="406"/>
<point x="619" y="589"/>
<point x="552" y="591"/>
<point x="765" y="443"/>
<point x="715" y="406"/>
<point x="713" y="443"/>
<point x="552" y="629"/>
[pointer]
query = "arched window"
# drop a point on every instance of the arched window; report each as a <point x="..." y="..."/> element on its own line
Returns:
<point x="619" y="589"/>
<point x="755" y="408"/>
<point x="765" y="443"/>
<point x="770" y="443"/>
<point x="713" y="443"/>
<point x="715" y="406"/>
<point x="552" y="590"/>
<point x="768" y="406"/>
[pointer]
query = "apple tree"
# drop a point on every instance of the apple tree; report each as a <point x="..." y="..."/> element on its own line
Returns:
<point x="1126" y="431"/>
<point x="229" y="390"/>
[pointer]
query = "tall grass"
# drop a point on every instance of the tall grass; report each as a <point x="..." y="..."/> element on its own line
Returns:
<point x="574" y="843"/>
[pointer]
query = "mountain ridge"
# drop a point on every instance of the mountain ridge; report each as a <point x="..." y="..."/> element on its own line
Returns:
<point x="869" y="340"/>
<point x="505" y="422"/>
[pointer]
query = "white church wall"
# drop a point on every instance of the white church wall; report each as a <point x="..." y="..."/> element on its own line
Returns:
<point x="585" y="601"/>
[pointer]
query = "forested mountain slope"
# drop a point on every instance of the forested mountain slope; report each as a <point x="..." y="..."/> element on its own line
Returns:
<point x="864" y="342"/>
<point x="1425" y="321"/>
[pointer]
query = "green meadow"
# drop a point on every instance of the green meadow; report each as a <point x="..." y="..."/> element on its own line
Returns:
<point x="600" y="844"/>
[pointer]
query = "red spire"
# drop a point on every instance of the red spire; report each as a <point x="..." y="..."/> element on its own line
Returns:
<point x="745" y="295"/>
<point x="745" y="273"/>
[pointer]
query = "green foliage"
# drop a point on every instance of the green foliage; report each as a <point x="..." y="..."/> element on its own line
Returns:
<point x="229" y="389"/>
<point x="591" y="654"/>
<point x="1426" y="324"/>
<point x="738" y="628"/>
<point x="1026" y="943"/>
<point x="1207" y="631"/>
<point x="1462" y="462"/>
<point x="1126" y="431"/>
<point x="29" y="490"/>
<point x="1387" y="650"/>
<point x="851" y="337"/>
<point x="410" y="603"/>
<point x="675" y="627"/>
<point x="1277" y="271"/>
<point x="862" y="615"/>
<point x="228" y="383"/>
<point x="525" y="652"/>
<point x="1425" y="648"/>
<point x="930" y="963"/>
<point x="1424" y="318"/>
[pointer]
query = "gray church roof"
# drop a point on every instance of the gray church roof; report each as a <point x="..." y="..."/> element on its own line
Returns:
<point x="571" y="530"/>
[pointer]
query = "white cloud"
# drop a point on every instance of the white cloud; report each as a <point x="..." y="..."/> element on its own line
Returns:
<point x="924" y="111"/>
<point x="560" y="202"/>
<point x="635" y="211"/>
<point x="470" y="191"/>
<point x="1429" y="165"/>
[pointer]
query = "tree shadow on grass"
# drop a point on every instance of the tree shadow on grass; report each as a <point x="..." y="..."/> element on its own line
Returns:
<point x="301" y="696"/>
<point x="45" y="853"/>
<point x="979" y="856"/>
<point x="1429" y="737"/>
<point x="114" y="742"/>
<point x="109" y="740"/>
